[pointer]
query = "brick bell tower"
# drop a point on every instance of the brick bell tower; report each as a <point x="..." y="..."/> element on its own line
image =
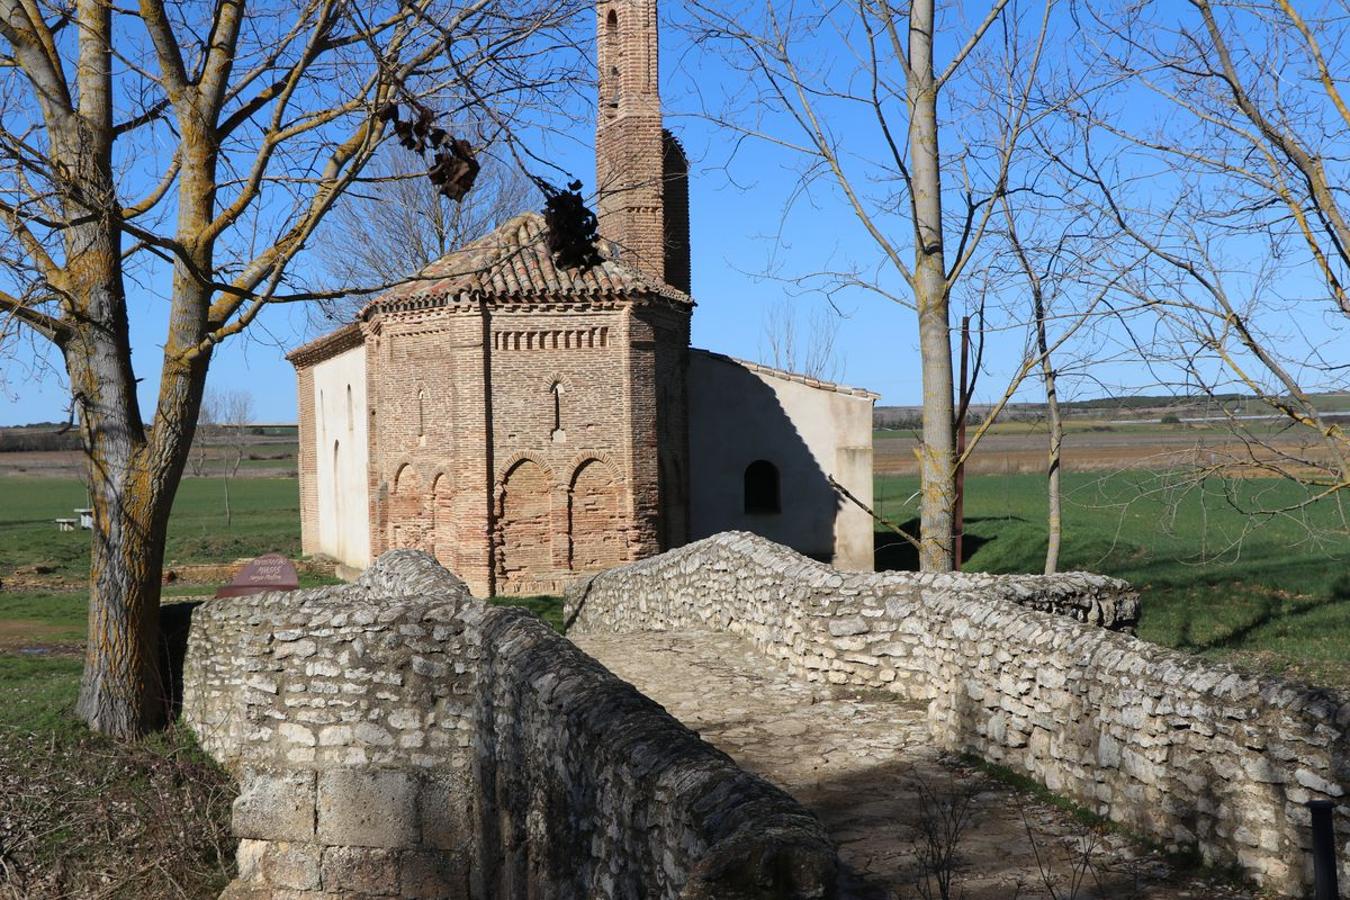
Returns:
<point x="642" y="175"/>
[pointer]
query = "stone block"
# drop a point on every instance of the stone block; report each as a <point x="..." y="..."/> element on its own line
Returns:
<point x="277" y="806"/>
<point x="362" y="870"/>
<point x="291" y="866"/>
<point x="445" y="813"/>
<point x="428" y="873"/>
<point x="367" y="808"/>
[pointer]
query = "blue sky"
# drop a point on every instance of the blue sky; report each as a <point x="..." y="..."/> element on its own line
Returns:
<point x="734" y="239"/>
<point x="739" y="233"/>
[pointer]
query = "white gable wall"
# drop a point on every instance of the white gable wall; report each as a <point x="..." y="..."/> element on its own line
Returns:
<point x="341" y="457"/>
<point x="741" y="413"/>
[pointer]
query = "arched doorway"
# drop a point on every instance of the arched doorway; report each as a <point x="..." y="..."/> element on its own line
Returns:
<point x="442" y="522"/>
<point x="406" y="524"/>
<point x="524" y="546"/>
<point x="595" y="537"/>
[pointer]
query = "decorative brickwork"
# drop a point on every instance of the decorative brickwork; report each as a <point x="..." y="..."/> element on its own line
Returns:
<point x="520" y="415"/>
<point x="641" y="172"/>
<point x="525" y="422"/>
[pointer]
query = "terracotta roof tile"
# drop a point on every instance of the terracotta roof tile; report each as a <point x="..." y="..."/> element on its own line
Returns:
<point x="513" y="263"/>
<point x="331" y="344"/>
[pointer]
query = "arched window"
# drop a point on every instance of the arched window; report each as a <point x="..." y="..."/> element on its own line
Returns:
<point x="351" y="422"/>
<point x="613" y="81"/>
<point x="762" y="488"/>
<point x="557" y="391"/>
<point x="421" y="413"/>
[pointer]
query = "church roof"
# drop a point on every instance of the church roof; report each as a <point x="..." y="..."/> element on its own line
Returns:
<point x="331" y="344"/>
<point x="513" y="264"/>
<point x="784" y="374"/>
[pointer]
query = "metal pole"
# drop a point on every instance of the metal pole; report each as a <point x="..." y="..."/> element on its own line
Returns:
<point x="1324" y="850"/>
<point x="959" y="514"/>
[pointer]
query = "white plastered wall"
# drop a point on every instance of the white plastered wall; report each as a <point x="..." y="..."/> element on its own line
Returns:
<point x="342" y="457"/>
<point x="741" y="413"/>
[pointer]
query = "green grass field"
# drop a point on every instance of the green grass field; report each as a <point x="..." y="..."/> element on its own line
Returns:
<point x="1271" y="594"/>
<point x="35" y="687"/>
<point x="265" y="515"/>
<point x="1267" y="594"/>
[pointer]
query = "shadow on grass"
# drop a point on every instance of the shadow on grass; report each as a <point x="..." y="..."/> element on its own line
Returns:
<point x="1272" y="613"/>
<point x="892" y="553"/>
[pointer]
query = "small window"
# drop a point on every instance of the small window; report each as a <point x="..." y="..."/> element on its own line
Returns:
<point x="557" y="391"/>
<point x="421" y="413"/>
<point x="610" y="93"/>
<point x="761" y="488"/>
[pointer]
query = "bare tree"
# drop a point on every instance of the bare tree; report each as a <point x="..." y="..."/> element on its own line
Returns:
<point x="1233" y="196"/>
<point x="202" y="145"/>
<point x="811" y="354"/>
<point x="208" y="415"/>
<point x="235" y="415"/>
<point x="1036" y="284"/>
<point x="396" y="222"/>
<point x="881" y="120"/>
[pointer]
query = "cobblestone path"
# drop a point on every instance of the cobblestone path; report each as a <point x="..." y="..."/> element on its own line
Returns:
<point x="865" y="766"/>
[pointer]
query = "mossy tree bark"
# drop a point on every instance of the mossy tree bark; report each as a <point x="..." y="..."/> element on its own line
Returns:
<point x="256" y="158"/>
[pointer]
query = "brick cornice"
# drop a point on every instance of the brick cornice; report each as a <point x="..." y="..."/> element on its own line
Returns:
<point x="330" y="345"/>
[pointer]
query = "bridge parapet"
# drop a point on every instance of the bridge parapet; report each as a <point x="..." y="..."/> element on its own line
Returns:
<point x="396" y="737"/>
<point x="1174" y="746"/>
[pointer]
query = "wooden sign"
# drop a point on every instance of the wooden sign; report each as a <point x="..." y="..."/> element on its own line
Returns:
<point x="272" y="572"/>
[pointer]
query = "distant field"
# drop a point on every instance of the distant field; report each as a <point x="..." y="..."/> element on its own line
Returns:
<point x="270" y="454"/>
<point x="1093" y="445"/>
<point x="1271" y="595"/>
<point x="265" y="519"/>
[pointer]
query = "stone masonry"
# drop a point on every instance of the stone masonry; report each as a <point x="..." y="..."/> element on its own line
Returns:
<point x="1172" y="746"/>
<point x="396" y="737"/>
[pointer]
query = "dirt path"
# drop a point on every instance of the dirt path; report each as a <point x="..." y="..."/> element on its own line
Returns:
<point x="864" y="765"/>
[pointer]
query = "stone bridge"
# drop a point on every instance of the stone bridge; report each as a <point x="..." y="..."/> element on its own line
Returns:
<point x="813" y="734"/>
<point x="863" y="695"/>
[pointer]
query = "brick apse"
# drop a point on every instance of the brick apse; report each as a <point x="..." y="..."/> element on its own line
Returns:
<point x="525" y="422"/>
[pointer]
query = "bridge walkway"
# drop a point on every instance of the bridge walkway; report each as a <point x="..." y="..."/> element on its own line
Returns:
<point x="865" y="766"/>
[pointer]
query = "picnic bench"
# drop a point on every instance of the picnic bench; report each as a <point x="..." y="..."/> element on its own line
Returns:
<point x="65" y="524"/>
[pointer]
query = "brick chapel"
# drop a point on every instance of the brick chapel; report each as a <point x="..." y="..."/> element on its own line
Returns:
<point x="528" y="423"/>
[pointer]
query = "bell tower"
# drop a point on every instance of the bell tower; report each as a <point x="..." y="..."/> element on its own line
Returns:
<point x="640" y="169"/>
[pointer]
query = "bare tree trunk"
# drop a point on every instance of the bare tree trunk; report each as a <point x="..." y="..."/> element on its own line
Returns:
<point x="119" y="689"/>
<point x="1054" y="521"/>
<point x="937" y="456"/>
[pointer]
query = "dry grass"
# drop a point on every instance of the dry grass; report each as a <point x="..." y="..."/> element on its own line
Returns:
<point x="82" y="816"/>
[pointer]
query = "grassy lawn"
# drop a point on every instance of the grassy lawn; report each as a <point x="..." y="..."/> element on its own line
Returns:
<point x="1271" y="595"/>
<point x="81" y="816"/>
<point x="548" y="608"/>
<point x="265" y="517"/>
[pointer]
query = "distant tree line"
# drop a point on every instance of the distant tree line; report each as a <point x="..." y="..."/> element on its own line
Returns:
<point x="38" y="438"/>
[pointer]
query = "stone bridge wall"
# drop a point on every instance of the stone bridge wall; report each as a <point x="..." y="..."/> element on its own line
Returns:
<point x="1179" y="748"/>
<point x="396" y="737"/>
